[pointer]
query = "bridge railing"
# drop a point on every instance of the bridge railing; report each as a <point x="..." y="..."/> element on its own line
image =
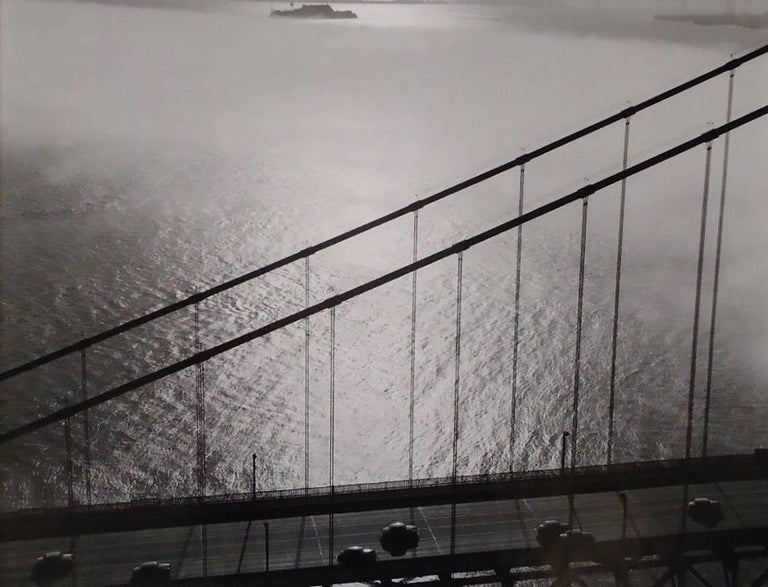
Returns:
<point x="652" y="469"/>
<point x="196" y="298"/>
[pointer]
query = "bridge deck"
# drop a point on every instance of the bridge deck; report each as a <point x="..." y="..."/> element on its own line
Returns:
<point x="127" y="516"/>
<point x="302" y="543"/>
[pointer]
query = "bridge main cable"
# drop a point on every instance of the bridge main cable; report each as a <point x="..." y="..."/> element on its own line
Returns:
<point x="418" y="204"/>
<point x="205" y="355"/>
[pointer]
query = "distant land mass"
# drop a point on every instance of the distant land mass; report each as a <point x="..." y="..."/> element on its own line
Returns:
<point x="740" y="19"/>
<point x="299" y="2"/>
<point x="728" y="18"/>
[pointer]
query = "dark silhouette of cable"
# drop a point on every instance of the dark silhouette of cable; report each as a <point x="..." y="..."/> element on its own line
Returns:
<point x="200" y="437"/>
<point x="697" y="302"/>
<point x="579" y="324"/>
<point x="616" y="296"/>
<point x="412" y="389"/>
<point x="332" y="429"/>
<point x="716" y="281"/>
<point x="332" y="398"/>
<point x="695" y="334"/>
<point x="69" y="473"/>
<point x="307" y="340"/>
<point x="516" y="325"/>
<point x="456" y="389"/>
<point x="86" y="425"/>
<point x="457" y="364"/>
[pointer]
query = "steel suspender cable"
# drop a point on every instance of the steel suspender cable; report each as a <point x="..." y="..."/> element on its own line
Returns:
<point x="306" y="374"/>
<point x="716" y="281"/>
<point x="200" y="439"/>
<point x="332" y="394"/>
<point x="697" y="303"/>
<point x="331" y="429"/>
<point x="617" y="294"/>
<point x="70" y="469"/>
<point x="516" y="326"/>
<point x="201" y="458"/>
<point x="457" y="371"/>
<point x="695" y="334"/>
<point x="579" y="320"/>
<point x="86" y="425"/>
<point x="456" y="386"/>
<point x="412" y="392"/>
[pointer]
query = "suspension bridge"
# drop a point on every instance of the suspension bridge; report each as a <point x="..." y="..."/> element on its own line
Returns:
<point x="474" y="529"/>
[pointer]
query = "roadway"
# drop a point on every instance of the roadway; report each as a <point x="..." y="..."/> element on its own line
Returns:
<point x="143" y="514"/>
<point x="239" y="547"/>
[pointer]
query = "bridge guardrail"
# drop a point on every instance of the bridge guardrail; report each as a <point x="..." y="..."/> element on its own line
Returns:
<point x="622" y="470"/>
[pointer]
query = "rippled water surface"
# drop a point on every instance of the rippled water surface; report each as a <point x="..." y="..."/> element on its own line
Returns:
<point x="150" y="151"/>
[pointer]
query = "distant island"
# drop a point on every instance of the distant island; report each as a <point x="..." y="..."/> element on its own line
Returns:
<point x="313" y="11"/>
<point x="380" y="2"/>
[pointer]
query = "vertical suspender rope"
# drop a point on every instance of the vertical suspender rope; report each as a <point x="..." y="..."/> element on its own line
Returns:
<point x="86" y="425"/>
<point x="203" y="431"/>
<point x="412" y="393"/>
<point x="516" y="327"/>
<point x="332" y="394"/>
<point x="199" y="410"/>
<point x="70" y="489"/>
<point x="716" y="282"/>
<point x="456" y="386"/>
<point x="579" y="321"/>
<point x="697" y="304"/>
<point x="197" y="399"/>
<point x="306" y="374"/>
<point x="617" y="294"/>
<point x="200" y="435"/>
<point x="69" y="469"/>
<point x="457" y="371"/>
<point x="695" y="333"/>
<point x="332" y="430"/>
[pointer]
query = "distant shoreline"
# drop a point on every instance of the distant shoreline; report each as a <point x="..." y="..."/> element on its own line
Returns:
<point x="740" y="19"/>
